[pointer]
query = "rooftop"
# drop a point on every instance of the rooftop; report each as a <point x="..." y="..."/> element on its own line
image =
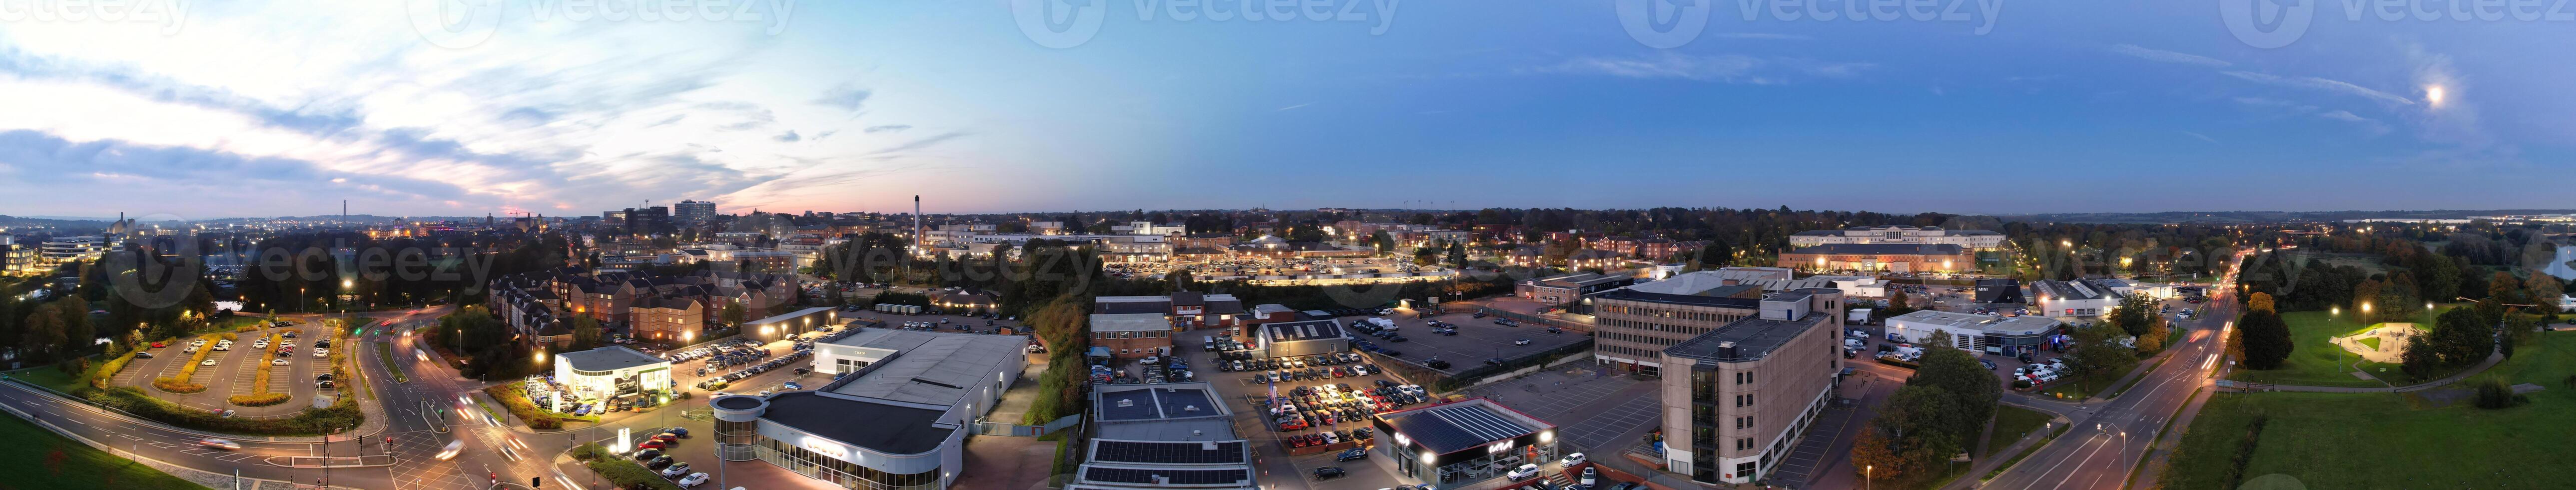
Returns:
<point x="606" y="359"/>
<point x="1749" y="339"/>
<point x="1963" y="322"/>
<point x="893" y="429"/>
<point x="1302" y="330"/>
<point x="928" y="367"/>
<point x="1130" y="322"/>
<point x="1701" y="281"/>
<point x="1881" y="249"/>
<point x="1464" y="425"/>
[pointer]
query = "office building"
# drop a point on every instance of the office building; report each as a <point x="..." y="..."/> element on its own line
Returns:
<point x="694" y="212"/>
<point x="70" y="249"/>
<point x="1881" y="257"/>
<point x="648" y="220"/>
<point x="1131" y="336"/>
<point x="897" y="417"/>
<point x="1737" y="399"/>
<point x="2075" y="299"/>
<point x="1909" y="235"/>
<point x="1565" y="288"/>
<point x="1633" y="325"/>
<point x="609" y="373"/>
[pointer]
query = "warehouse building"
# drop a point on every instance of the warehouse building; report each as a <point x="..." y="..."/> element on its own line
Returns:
<point x="1302" y="338"/>
<point x="2011" y="336"/>
<point x="897" y="417"/>
<point x="1163" y="436"/>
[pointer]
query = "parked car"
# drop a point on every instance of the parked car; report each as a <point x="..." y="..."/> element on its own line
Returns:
<point x="1351" y="454"/>
<point x="683" y="468"/>
<point x="1522" y="473"/>
<point x="1330" y="472"/>
<point x="1571" y="459"/>
<point x="694" y="479"/>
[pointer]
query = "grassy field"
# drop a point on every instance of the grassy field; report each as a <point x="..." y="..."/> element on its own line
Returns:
<point x="2314" y="361"/>
<point x="2011" y="423"/>
<point x="49" y="460"/>
<point x="2386" y="440"/>
<point x="49" y="377"/>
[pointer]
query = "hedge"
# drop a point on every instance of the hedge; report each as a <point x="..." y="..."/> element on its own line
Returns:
<point x="628" y="474"/>
<point x="343" y="414"/>
<point x="107" y="370"/>
<point x="180" y="383"/>
<point x="515" y="398"/>
<point x="259" y="395"/>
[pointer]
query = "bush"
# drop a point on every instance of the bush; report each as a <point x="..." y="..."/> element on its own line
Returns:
<point x="513" y="396"/>
<point x="590" y="451"/>
<point x="628" y="474"/>
<point x="2493" y="394"/>
<point x="258" y="399"/>
<point x="343" y="414"/>
<point x="107" y="370"/>
<point x="173" y="385"/>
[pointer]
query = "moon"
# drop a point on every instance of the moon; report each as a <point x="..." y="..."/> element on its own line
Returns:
<point x="2433" y="95"/>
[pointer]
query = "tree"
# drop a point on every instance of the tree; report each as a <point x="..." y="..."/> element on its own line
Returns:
<point x="732" y="314"/>
<point x="2097" y="352"/>
<point x="1898" y="303"/>
<point x="78" y="334"/>
<point x="2462" y="336"/>
<point x="1971" y="387"/>
<point x="1875" y="451"/>
<point x="585" y="333"/>
<point x="2136" y="314"/>
<point x="2260" y="302"/>
<point x="2265" y="338"/>
<point x="1458" y="255"/>
<point x="2419" y="360"/>
<point x="43" y="331"/>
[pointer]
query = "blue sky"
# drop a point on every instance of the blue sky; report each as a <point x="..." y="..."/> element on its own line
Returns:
<point x="258" y="108"/>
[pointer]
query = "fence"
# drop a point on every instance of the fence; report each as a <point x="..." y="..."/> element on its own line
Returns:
<point x="1016" y="430"/>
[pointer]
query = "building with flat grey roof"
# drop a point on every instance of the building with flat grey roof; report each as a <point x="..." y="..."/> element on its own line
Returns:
<point x="610" y="372"/>
<point x="1633" y="325"/>
<point x="1971" y="239"/>
<point x="1162" y="436"/>
<point x="2011" y="336"/>
<point x="895" y="417"/>
<point x="1737" y="398"/>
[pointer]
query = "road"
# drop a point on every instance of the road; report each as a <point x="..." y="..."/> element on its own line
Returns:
<point x="2102" y="451"/>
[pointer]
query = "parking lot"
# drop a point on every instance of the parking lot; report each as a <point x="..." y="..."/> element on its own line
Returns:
<point x="1245" y="395"/>
<point x="236" y="371"/>
<point x="1477" y="339"/>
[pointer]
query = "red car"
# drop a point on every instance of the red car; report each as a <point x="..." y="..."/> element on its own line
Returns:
<point x="157" y="345"/>
<point x="667" y="437"/>
<point x="651" y="444"/>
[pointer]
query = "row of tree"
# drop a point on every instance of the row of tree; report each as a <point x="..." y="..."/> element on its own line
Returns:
<point x="1934" y="417"/>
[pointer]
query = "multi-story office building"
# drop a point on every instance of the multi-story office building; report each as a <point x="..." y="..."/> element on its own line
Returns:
<point x="1888" y="257"/>
<point x="1737" y="399"/>
<point x="694" y="212"/>
<point x="1968" y="239"/>
<point x="15" y="257"/>
<point x="656" y="219"/>
<point x="1633" y="325"/>
<point x="74" y="248"/>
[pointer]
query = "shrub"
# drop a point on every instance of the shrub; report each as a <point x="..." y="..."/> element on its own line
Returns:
<point x="173" y="385"/>
<point x="258" y="399"/>
<point x="107" y="370"/>
<point x="2493" y="394"/>
<point x="515" y="398"/>
<point x="590" y="451"/>
<point x="628" y="474"/>
<point x="343" y="414"/>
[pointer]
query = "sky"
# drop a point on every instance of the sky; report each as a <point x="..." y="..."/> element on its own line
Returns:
<point x="191" y="109"/>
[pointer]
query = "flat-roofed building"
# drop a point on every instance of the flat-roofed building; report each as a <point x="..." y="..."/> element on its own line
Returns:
<point x="1737" y="399"/>
<point x="1163" y="436"/>
<point x="2011" y="336"/>
<point x="896" y="417"/>
<point x="1970" y="239"/>
<point x="1882" y="257"/>
<point x="1457" y="444"/>
<point x="2082" y="298"/>
<point x="1131" y="335"/>
<point x="1565" y="288"/>
<point x="1302" y="338"/>
<point x="1633" y="325"/>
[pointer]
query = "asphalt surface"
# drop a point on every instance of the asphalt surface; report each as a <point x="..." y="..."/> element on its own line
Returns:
<point x="2104" y="448"/>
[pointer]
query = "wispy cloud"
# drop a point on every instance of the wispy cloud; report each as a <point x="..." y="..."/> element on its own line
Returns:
<point x="1759" y="35"/>
<point x="1728" y="68"/>
<point x="2314" y="83"/>
<point x="2167" y="56"/>
<point x="887" y="128"/>
<point x="845" y="97"/>
<point x="2202" y="137"/>
<point x="789" y="137"/>
<point x="1293" y="107"/>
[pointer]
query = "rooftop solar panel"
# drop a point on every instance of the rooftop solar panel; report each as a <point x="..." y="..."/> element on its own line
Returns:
<point x="1168" y="452"/>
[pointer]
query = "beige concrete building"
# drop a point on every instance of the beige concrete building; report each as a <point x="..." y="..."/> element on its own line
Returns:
<point x="1753" y="387"/>
<point x="1635" y="324"/>
<point x="1980" y="240"/>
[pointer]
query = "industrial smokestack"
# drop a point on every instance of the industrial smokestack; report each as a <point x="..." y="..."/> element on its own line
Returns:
<point x="916" y="231"/>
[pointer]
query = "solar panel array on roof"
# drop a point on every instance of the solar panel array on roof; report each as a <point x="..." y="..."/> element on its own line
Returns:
<point x="1305" y="330"/>
<point x="1228" y="452"/>
<point x="1175" y="477"/>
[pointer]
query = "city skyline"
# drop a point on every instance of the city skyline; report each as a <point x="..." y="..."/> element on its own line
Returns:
<point x="855" y="107"/>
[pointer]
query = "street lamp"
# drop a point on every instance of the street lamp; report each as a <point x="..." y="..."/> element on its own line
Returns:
<point x="1868" y="476"/>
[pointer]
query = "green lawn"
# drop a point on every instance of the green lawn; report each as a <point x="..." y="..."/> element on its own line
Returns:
<point x="2011" y="423"/>
<point x="48" y="460"/>
<point x="2314" y="361"/>
<point x="2383" y="440"/>
<point x="49" y="377"/>
<point x="2371" y="342"/>
<point x="385" y="353"/>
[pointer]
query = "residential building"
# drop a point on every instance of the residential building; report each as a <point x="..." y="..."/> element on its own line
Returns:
<point x="648" y="220"/>
<point x="1187" y="310"/>
<point x="671" y="319"/>
<point x="1132" y="335"/>
<point x="1881" y="257"/>
<point x="1975" y="240"/>
<point x="1737" y="399"/>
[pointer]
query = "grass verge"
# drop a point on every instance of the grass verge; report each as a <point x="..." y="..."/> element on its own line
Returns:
<point x="70" y="464"/>
<point x="513" y="396"/>
<point x="259" y="395"/>
<point x="2012" y="423"/>
<point x="385" y="353"/>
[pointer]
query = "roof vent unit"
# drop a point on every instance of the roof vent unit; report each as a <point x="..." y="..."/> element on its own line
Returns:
<point x="1123" y="403"/>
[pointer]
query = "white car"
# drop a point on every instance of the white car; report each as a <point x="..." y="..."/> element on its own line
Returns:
<point x="675" y="470"/>
<point x="277" y="362"/>
<point x="197" y="342"/>
<point x="208" y="362"/>
<point x="1520" y="342"/>
<point x="321" y="352"/>
<point x="694" y="479"/>
<point x="1522" y="473"/>
<point x="1571" y="460"/>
